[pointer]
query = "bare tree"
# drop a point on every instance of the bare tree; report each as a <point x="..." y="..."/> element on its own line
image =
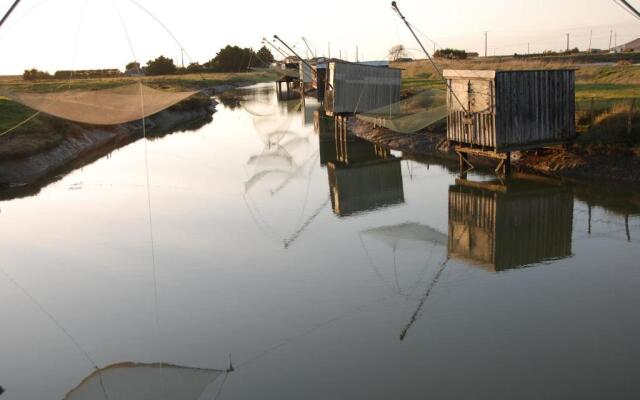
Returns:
<point x="397" y="52"/>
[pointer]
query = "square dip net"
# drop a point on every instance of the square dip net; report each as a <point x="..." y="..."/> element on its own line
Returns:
<point x="111" y="106"/>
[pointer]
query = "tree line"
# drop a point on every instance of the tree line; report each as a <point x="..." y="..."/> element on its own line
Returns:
<point x="228" y="59"/>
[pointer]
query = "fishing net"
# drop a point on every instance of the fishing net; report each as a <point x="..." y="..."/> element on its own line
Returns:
<point x="130" y="381"/>
<point x="101" y="107"/>
<point x="412" y="114"/>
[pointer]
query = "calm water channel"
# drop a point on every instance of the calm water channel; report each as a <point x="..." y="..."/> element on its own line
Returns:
<point x="322" y="268"/>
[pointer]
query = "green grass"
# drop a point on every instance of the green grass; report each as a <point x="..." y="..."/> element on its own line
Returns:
<point x="12" y="114"/>
<point x="167" y="82"/>
<point x="606" y="91"/>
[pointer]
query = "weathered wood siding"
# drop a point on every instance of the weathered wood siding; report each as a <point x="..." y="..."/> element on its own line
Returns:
<point x="511" y="110"/>
<point x="356" y="88"/>
<point x="500" y="231"/>
<point x="306" y="73"/>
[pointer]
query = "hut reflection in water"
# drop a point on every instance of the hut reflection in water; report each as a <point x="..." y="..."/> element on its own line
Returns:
<point x="362" y="175"/>
<point x="505" y="226"/>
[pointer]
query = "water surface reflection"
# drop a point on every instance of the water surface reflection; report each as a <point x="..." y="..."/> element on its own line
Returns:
<point x="313" y="265"/>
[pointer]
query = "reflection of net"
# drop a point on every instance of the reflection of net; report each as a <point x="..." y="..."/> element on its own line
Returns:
<point x="102" y="107"/>
<point x="411" y="114"/>
<point x="266" y="109"/>
<point x="129" y="381"/>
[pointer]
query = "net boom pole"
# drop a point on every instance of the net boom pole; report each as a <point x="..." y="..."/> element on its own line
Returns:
<point x="6" y="16"/>
<point x="292" y="51"/>
<point x="264" y="40"/>
<point x="394" y="5"/>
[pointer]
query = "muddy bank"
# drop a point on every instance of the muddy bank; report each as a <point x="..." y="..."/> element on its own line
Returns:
<point x="575" y="162"/>
<point x="77" y="141"/>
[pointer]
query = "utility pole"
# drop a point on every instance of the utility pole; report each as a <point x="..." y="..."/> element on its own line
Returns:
<point x="486" y="42"/>
<point x="590" y="39"/>
<point x="568" y="41"/>
<point x="341" y="54"/>
<point x="610" y="39"/>
<point x="357" y="54"/>
<point x="615" y="41"/>
<point x="182" y="56"/>
<point x="528" y="48"/>
<point x="329" y="50"/>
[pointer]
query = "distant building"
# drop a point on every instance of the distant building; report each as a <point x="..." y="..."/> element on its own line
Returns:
<point x="633" y="45"/>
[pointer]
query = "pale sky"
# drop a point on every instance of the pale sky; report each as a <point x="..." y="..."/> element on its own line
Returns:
<point x="58" y="34"/>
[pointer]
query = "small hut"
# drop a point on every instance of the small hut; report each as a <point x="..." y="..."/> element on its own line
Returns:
<point x="503" y="111"/>
<point x="352" y="87"/>
<point x="501" y="227"/>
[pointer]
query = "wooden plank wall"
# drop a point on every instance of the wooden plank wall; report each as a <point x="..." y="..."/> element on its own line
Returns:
<point x="506" y="230"/>
<point x="361" y="88"/>
<point x="480" y="132"/>
<point x="534" y="107"/>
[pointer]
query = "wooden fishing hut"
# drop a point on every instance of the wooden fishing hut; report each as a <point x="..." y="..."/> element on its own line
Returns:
<point x="286" y="86"/>
<point x="362" y="176"/>
<point x="493" y="113"/>
<point x="360" y="87"/>
<point x="501" y="226"/>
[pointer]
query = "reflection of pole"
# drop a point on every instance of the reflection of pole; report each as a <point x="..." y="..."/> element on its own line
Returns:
<point x="589" y="229"/>
<point x="6" y="16"/>
<point x="416" y="314"/>
<point x="289" y="242"/>
<point x="626" y="225"/>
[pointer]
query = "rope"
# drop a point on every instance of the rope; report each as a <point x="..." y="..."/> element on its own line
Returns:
<point x="76" y="344"/>
<point x="20" y="124"/>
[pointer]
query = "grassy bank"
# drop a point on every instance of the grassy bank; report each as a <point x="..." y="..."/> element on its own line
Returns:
<point x="44" y="132"/>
